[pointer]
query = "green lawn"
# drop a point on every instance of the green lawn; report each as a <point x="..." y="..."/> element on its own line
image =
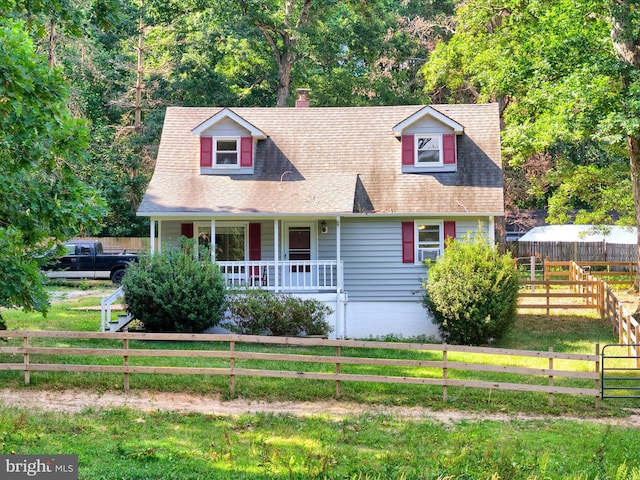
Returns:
<point x="131" y="444"/>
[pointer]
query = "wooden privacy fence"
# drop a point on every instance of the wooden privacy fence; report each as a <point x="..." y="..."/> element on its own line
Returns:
<point x="118" y="244"/>
<point x="435" y="365"/>
<point x="582" y="251"/>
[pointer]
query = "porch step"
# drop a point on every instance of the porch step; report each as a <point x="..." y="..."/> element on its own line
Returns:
<point x="120" y="324"/>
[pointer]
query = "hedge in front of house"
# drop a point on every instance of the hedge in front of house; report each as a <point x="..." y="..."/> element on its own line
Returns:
<point x="259" y="312"/>
<point x="472" y="292"/>
<point x="173" y="292"/>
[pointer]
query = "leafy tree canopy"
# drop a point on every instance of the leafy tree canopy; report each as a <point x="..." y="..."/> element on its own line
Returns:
<point x="566" y="94"/>
<point x="41" y="145"/>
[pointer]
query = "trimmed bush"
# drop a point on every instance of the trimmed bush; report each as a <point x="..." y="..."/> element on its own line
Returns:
<point x="259" y="312"/>
<point x="472" y="292"/>
<point x="173" y="292"/>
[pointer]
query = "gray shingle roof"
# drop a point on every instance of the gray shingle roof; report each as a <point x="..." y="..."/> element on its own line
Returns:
<point x="340" y="161"/>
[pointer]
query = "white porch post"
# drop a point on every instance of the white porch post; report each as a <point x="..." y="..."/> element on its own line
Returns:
<point x="152" y="237"/>
<point x="492" y="230"/>
<point x="213" y="241"/>
<point x="341" y="317"/>
<point x="276" y="248"/>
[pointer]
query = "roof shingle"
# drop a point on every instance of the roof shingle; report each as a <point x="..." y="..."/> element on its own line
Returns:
<point x="328" y="161"/>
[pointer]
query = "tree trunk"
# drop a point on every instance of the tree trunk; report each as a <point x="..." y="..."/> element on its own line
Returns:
<point x="285" y="67"/>
<point x="633" y="145"/>
<point x="626" y="42"/>
<point x="139" y="85"/>
<point x="51" y="54"/>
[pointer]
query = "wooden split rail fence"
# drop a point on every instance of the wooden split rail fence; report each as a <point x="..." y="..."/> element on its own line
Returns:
<point x="433" y="364"/>
<point x="570" y="285"/>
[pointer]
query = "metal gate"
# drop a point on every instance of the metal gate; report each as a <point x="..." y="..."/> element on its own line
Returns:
<point x="620" y="375"/>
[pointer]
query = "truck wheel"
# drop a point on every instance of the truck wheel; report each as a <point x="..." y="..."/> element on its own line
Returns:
<point x="116" y="277"/>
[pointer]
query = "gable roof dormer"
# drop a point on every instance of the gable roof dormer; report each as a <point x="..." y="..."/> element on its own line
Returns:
<point x="427" y="112"/>
<point x="428" y="142"/>
<point x="227" y="144"/>
<point x="229" y="114"/>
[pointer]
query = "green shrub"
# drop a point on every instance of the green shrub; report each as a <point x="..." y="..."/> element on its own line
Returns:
<point x="472" y="292"/>
<point x="173" y="292"/>
<point x="259" y="312"/>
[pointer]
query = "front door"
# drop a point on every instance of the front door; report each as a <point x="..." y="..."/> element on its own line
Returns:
<point x="300" y="248"/>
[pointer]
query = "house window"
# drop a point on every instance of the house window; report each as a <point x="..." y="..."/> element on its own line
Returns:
<point x="429" y="240"/>
<point x="226" y="152"/>
<point x="230" y="243"/>
<point x="428" y="150"/>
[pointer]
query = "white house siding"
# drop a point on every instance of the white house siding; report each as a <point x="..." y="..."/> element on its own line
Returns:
<point x="366" y="319"/>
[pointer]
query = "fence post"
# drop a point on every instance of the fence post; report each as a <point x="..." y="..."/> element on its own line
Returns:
<point x="232" y="364"/>
<point x="601" y="289"/>
<point x="636" y="348"/>
<point x="550" y="376"/>
<point x="532" y="274"/>
<point x="338" y="370"/>
<point x="620" y="324"/>
<point x="548" y="298"/>
<point x="597" y="368"/>
<point x="125" y="358"/>
<point x="628" y="330"/>
<point x="445" y="392"/>
<point x="27" y="376"/>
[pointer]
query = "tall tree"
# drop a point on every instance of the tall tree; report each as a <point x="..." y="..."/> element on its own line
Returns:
<point x="41" y="199"/>
<point x="567" y="75"/>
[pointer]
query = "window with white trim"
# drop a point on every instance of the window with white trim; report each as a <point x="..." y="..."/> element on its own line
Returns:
<point x="226" y="153"/>
<point x="231" y="243"/>
<point x="428" y="150"/>
<point x="429" y="240"/>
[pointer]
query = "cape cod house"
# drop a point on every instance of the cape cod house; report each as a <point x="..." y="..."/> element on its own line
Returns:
<point x="342" y="204"/>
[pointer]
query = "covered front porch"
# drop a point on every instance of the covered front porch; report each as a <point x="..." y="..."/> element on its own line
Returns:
<point x="280" y="255"/>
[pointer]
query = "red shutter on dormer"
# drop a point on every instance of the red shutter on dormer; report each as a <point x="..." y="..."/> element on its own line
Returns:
<point x="408" y="250"/>
<point x="206" y="151"/>
<point x="187" y="230"/>
<point x="449" y="231"/>
<point x="407" y="150"/>
<point x="246" y="151"/>
<point x="255" y="241"/>
<point x="449" y="149"/>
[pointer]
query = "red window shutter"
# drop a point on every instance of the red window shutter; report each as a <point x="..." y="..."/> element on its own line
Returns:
<point x="407" y="150"/>
<point x="408" y="250"/>
<point x="449" y="149"/>
<point x="255" y="241"/>
<point x="449" y="231"/>
<point x="246" y="151"/>
<point x="187" y="230"/>
<point x="206" y="151"/>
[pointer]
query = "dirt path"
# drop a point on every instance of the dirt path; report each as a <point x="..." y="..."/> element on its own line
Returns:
<point x="75" y="401"/>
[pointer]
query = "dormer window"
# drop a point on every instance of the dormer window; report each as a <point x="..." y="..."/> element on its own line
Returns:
<point x="227" y="144"/>
<point x="428" y="142"/>
<point x="428" y="150"/>
<point x="226" y="155"/>
<point x="226" y="152"/>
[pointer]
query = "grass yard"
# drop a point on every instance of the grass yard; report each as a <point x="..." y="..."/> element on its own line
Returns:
<point x="128" y="444"/>
<point x="145" y="444"/>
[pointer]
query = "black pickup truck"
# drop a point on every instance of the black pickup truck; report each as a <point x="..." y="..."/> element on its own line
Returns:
<point x="86" y="259"/>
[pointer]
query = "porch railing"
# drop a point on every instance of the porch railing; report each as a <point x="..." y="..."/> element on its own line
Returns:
<point x="286" y="276"/>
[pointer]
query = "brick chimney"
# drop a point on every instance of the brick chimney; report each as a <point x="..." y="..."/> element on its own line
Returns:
<point x="303" y="101"/>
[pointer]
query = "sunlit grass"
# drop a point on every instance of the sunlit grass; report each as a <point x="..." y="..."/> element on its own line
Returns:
<point x="128" y="444"/>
